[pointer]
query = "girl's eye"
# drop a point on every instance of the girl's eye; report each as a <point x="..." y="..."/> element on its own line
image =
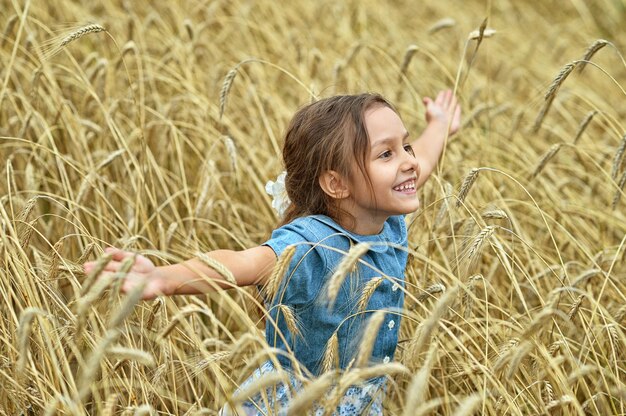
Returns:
<point x="386" y="154"/>
<point x="409" y="149"/>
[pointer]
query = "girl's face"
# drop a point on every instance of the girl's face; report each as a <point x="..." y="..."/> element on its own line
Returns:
<point x="392" y="169"/>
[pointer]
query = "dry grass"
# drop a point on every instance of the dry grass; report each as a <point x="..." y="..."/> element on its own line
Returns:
<point x="163" y="146"/>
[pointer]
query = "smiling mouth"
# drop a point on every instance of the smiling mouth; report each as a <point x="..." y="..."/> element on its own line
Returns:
<point x="406" y="186"/>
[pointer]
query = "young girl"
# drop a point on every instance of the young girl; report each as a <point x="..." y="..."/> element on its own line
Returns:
<point x="352" y="173"/>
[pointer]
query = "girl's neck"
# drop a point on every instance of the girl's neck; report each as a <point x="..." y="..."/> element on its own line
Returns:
<point x="361" y="225"/>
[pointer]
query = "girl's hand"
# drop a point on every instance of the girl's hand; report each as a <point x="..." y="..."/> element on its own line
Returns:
<point x="142" y="272"/>
<point x="445" y="110"/>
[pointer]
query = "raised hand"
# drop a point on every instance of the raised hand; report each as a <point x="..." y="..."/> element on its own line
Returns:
<point x="445" y="110"/>
<point x="142" y="272"/>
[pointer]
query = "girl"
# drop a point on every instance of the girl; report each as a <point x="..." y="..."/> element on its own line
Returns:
<point x="352" y="174"/>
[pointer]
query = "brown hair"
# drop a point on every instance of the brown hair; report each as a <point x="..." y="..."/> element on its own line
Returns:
<point x="329" y="134"/>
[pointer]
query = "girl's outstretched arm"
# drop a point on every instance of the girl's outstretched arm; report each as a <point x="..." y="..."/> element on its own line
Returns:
<point x="443" y="116"/>
<point x="251" y="266"/>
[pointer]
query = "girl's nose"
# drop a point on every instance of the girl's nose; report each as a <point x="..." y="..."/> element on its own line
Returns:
<point x="410" y="163"/>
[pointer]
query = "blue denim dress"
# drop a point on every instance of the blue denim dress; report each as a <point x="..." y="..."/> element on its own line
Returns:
<point x="321" y="244"/>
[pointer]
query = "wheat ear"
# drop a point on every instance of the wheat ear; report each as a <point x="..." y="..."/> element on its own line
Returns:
<point x="469" y="180"/>
<point x="312" y="392"/>
<point x="218" y="267"/>
<point x="408" y="55"/>
<point x="91" y="277"/>
<point x="479" y="241"/>
<point x="144" y="410"/>
<point x="23" y="334"/>
<point x="444" y="23"/>
<point x="545" y="159"/>
<point x="559" y="79"/>
<point x="591" y="50"/>
<point x="226" y="86"/>
<point x="619" y="155"/>
<point x="281" y="267"/>
<point x="431" y="290"/>
<point x="368" y="291"/>
<point x="583" y="125"/>
<point x="416" y="390"/>
<point x="620" y="190"/>
<point x="369" y="338"/>
<point x="426" y="330"/>
<point x="79" y="33"/>
<point x="551" y="93"/>
<point x="131" y="354"/>
<point x="290" y="319"/>
<point x="331" y="354"/>
<point x="494" y="214"/>
<point x="345" y="267"/>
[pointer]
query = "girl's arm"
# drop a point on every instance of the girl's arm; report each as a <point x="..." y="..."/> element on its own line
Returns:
<point x="251" y="266"/>
<point x="443" y="116"/>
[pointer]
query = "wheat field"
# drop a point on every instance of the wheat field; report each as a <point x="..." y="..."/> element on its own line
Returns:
<point x="155" y="127"/>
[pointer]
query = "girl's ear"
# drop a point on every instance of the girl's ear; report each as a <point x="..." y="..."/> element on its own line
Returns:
<point x="333" y="185"/>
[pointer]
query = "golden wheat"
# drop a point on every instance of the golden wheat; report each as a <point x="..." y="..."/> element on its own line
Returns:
<point x="345" y="267"/>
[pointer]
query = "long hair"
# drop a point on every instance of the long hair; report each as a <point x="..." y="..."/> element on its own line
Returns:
<point x="329" y="134"/>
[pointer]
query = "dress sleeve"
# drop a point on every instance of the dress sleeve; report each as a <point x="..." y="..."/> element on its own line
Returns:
<point x="302" y="281"/>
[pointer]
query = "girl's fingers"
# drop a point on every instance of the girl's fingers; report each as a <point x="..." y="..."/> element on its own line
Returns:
<point x="440" y="98"/>
<point x="113" y="266"/>
<point x="117" y="254"/>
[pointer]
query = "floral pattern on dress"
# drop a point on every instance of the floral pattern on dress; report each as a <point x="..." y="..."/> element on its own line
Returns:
<point x="363" y="399"/>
